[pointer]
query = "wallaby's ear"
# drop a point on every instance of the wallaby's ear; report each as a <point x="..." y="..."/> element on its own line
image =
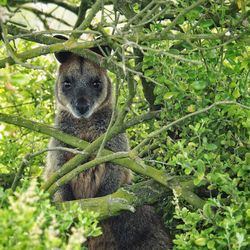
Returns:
<point x="62" y="56"/>
<point x="103" y="50"/>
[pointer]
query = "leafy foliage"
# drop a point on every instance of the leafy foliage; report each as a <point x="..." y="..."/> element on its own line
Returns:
<point x="28" y="93"/>
<point x="188" y="75"/>
<point x="28" y="220"/>
<point x="212" y="147"/>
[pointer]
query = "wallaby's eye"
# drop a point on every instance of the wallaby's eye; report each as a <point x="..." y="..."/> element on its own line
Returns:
<point x="96" y="84"/>
<point x="67" y="85"/>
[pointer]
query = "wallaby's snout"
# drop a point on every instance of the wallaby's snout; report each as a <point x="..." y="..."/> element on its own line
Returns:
<point x="82" y="106"/>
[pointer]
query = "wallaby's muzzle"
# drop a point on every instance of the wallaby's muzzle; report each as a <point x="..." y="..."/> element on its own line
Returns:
<point x="82" y="106"/>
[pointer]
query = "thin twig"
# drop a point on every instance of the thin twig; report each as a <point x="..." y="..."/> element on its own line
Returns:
<point x="84" y="5"/>
<point x="111" y="122"/>
<point x="47" y="32"/>
<point x="11" y="52"/>
<point x="133" y="19"/>
<point x="17" y="105"/>
<point x="141" y="118"/>
<point x="182" y="14"/>
<point x="37" y="12"/>
<point x="163" y="52"/>
<point x="87" y="21"/>
<point x="164" y="128"/>
<point x="152" y="17"/>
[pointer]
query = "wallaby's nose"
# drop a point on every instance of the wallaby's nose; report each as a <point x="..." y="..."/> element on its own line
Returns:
<point x="82" y="105"/>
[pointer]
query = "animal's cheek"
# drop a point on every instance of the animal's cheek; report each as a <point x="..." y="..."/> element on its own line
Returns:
<point x="63" y="99"/>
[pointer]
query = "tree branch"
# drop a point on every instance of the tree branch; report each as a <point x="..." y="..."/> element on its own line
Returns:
<point x="38" y="13"/>
<point x="127" y="198"/>
<point x="85" y="4"/>
<point x="60" y="3"/>
<point x="41" y="36"/>
<point x="133" y="164"/>
<point x="90" y="164"/>
<point x="80" y="48"/>
<point x="85" y="24"/>
<point x="131" y="197"/>
<point x="30" y="36"/>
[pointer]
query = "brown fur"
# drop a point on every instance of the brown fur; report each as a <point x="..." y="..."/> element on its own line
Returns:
<point x="141" y="230"/>
<point x="86" y="185"/>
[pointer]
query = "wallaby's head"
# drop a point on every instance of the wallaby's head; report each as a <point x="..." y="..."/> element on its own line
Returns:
<point x="82" y="86"/>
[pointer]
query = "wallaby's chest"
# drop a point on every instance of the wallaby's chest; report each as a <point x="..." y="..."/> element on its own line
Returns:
<point x="84" y="129"/>
<point x="86" y="184"/>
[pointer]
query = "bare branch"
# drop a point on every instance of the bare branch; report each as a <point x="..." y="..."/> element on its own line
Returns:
<point x="128" y="198"/>
<point x="60" y="3"/>
<point x="11" y="52"/>
<point x="85" y="24"/>
<point x="46" y="15"/>
<point x="85" y="4"/>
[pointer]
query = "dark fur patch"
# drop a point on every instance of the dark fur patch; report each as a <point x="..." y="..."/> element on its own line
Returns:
<point x="81" y="62"/>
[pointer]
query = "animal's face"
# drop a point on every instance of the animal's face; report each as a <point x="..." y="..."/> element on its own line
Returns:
<point x="82" y="87"/>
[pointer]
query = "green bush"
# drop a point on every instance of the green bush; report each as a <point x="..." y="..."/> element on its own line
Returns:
<point x="28" y="220"/>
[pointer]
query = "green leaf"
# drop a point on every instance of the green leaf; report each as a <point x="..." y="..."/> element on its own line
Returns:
<point x="210" y="245"/>
<point x="199" y="85"/>
<point x="247" y="158"/>
<point x="193" y="14"/>
<point x="236" y="93"/>
<point x="200" y="241"/>
<point x="207" y="23"/>
<point x="248" y="212"/>
<point x="211" y="146"/>
<point x="200" y="166"/>
<point x="149" y="72"/>
<point x="208" y="211"/>
<point x="188" y="170"/>
<point x="168" y="95"/>
<point x="19" y="79"/>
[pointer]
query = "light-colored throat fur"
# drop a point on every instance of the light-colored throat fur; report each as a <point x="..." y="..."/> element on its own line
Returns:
<point x="86" y="129"/>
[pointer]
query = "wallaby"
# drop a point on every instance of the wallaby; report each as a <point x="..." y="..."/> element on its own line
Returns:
<point x="84" y="108"/>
